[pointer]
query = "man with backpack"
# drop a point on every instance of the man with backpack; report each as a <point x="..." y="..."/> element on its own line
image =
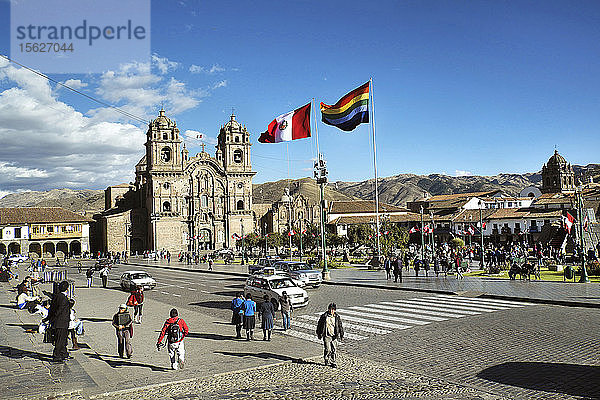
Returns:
<point x="175" y="329"/>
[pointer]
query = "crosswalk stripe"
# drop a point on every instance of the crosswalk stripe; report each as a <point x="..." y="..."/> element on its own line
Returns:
<point x="376" y="323"/>
<point x="386" y="317"/>
<point x="466" y="303"/>
<point x="493" y="301"/>
<point x="301" y="335"/>
<point x="420" y="305"/>
<point x="363" y="328"/>
<point x="456" y="306"/>
<point x="396" y="306"/>
<point x="347" y="335"/>
<point x="376" y="309"/>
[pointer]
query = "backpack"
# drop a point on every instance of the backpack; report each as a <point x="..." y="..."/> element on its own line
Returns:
<point x="174" y="333"/>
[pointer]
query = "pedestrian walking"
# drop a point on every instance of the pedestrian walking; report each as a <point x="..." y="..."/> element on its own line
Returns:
<point x="459" y="274"/>
<point x="249" y="321"/>
<point x="59" y="315"/>
<point x="285" y="303"/>
<point x="124" y="330"/>
<point x="175" y="329"/>
<point x="388" y="268"/>
<point x="90" y="276"/>
<point x="329" y="328"/>
<point x="104" y="276"/>
<point x="267" y="315"/>
<point x="397" y="270"/>
<point x="136" y="300"/>
<point x="236" y="313"/>
<point x="210" y="264"/>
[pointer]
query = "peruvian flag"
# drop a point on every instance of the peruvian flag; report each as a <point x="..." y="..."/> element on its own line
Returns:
<point x="235" y="236"/>
<point x="426" y="229"/>
<point x="585" y="223"/>
<point x="304" y="231"/>
<point x="568" y="221"/>
<point x="471" y="230"/>
<point x="290" y="126"/>
<point x="413" y="230"/>
<point x="291" y="233"/>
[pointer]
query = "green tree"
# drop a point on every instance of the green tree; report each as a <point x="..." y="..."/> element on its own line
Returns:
<point x="393" y="237"/>
<point x="457" y="243"/>
<point x="358" y="235"/>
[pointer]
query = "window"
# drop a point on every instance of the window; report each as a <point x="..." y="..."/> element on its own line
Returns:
<point x="1" y="233"/>
<point x="165" y="136"/>
<point x="495" y="226"/>
<point x="166" y="185"/>
<point x="533" y="223"/>
<point x="204" y="201"/>
<point x="517" y="225"/>
<point x="237" y="156"/>
<point x="166" y="206"/>
<point x="50" y="229"/>
<point x="165" y="154"/>
<point x="240" y="205"/>
<point x="237" y="139"/>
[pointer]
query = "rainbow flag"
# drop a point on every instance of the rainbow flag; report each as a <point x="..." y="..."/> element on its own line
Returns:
<point x="350" y="111"/>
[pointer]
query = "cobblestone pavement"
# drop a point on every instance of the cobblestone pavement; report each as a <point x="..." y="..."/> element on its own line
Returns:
<point x="308" y="379"/>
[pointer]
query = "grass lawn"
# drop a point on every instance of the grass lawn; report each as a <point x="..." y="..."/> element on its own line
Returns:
<point x="545" y="275"/>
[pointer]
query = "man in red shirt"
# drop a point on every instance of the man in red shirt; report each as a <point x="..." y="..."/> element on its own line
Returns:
<point x="175" y="329"/>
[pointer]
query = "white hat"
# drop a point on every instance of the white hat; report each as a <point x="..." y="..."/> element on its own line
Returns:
<point x="123" y="306"/>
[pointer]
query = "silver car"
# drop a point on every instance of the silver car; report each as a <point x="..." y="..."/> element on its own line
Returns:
<point x="131" y="279"/>
<point x="300" y="271"/>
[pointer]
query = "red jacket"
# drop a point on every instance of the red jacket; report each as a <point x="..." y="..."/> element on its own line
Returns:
<point x="182" y="325"/>
<point x="135" y="299"/>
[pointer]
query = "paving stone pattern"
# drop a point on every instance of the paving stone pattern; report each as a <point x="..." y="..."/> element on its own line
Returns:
<point x="353" y="379"/>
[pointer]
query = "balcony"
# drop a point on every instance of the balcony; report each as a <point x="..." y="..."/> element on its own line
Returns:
<point x="505" y="230"/>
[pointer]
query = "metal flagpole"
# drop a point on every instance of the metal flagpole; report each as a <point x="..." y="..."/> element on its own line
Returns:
<point x="375" y="166"/>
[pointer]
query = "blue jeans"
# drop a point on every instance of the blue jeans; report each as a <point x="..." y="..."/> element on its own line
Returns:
<point x="285" y="316"/>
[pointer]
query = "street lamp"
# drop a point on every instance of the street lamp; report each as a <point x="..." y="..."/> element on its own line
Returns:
<point x="584" y="276"/>
<point x="422" y="238"/>
<point x="266" y="239"/>
<point x="243" y="248"/>
<point x="481" y="231"/>
<point x="432" y="235"/>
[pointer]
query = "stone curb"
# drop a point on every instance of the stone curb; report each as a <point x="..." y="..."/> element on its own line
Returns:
<point x="374" y="286"/>
<point x="204" y="271"/>
<point x="565" y="303"/>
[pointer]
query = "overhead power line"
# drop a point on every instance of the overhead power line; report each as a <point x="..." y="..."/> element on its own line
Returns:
<point x="117" y="109"/>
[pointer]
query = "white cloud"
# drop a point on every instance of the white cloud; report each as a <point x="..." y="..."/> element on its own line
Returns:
<point x="47" y="143"/>
<point x="197" y="69"/>
<point x="163" y="64"/>
<point x="74" y="84"/>
<point x="219" y="84"/>
<point x="459" y="172"/>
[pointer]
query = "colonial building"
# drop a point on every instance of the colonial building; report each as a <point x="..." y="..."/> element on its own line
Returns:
<point x="180" y="202"/>
<point x="43" y="232"/>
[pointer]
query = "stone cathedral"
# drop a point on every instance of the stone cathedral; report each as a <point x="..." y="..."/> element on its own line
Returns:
<point x="178" y="202"/>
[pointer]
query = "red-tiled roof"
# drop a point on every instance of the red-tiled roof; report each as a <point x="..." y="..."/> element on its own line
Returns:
<point x="30" y="215"/>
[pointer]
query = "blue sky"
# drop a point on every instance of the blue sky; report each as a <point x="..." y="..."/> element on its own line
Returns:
<point x="477" y="87"/>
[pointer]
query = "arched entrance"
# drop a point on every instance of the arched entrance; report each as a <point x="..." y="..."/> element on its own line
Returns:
<point x="137" y="246"/>
<point x="14" y="248"/>
<point x="48" y="249"/>
<point x="204" y="240"/>
<point x="75" y="247"/>
<point x="2" y="248"/>
<point x="35" y="249"/>
<point x="63" y="248"/>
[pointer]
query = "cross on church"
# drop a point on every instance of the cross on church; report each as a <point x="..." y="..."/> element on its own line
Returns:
<point x="202" y="145"/>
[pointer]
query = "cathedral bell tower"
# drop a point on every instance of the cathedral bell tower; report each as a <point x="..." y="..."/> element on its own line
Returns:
<point x="164" y="168"/>
<point x="233" y="148"/>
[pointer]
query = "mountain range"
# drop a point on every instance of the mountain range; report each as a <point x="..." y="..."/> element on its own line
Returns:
<point x="396" y="190"/>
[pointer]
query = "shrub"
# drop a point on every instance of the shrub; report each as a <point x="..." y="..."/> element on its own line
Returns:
<point x="594" y="267"/>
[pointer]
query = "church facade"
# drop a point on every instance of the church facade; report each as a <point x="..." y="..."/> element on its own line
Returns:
<point x="182" y="203"/>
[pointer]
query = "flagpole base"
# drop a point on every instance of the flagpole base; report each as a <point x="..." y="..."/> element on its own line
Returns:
<point x="326" y="275"/>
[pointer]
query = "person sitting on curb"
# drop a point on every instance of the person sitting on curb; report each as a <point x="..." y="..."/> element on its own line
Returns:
<point x="176" y="330"/>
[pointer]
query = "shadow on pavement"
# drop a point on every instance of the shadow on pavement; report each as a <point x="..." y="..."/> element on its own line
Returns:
<point x="116" y="361"/>
<point x="268" y="356"/>
<point x="571" y="379"/>
<point x="91" y="319"/>
<point x="12" y="307"/>
<point x="26" y="327"/>
<point x="12" y="352"/>
<point x="210" y="336"/>
<point x="230" y="293"/>
<point x="213" y="304"/>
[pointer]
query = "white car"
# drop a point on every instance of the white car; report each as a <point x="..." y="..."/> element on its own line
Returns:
<point x="273" y="286"/>
<point x="17" y="258"/>
<point x="131" y="279"/>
